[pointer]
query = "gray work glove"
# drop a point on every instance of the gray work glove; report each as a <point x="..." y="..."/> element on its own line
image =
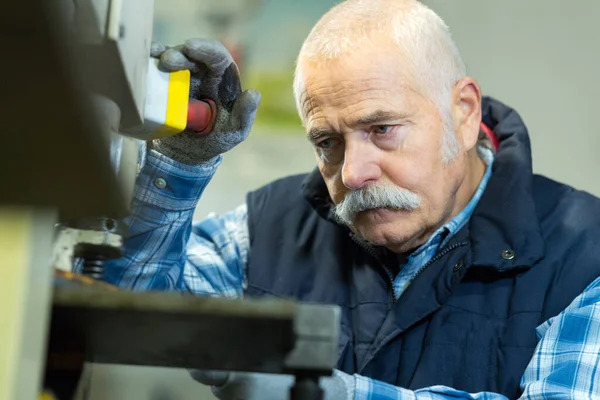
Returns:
<point x="214" y="76"/>
<point x="255" y="386"/>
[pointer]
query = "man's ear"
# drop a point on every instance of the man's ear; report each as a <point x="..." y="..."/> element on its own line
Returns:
<point x="466" y="110"/>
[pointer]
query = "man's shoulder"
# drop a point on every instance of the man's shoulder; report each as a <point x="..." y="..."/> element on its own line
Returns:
<point x="561" y="206"/>
<point x="279" y="194"/>
<point x="569" y="221"/>
<point x="295" y="180"/>
<point x="288" y="186"/>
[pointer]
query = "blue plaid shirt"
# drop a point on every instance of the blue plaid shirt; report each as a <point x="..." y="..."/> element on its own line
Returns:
<point x="167" y="251"/>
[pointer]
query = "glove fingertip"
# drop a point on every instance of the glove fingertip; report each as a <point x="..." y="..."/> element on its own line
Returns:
<point x="248" y="102"/>
<point x="245" y="108"/>
<point x="156" y="49"/>
<point x="210" y="378"/>
<point x="210" y="52"/>
<point x="175" y="60"/>
<point x="195" y="43"/>
<point x="254" y="94"/>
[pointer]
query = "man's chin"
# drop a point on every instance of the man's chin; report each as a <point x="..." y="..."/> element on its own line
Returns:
<point x="378" y="226"/>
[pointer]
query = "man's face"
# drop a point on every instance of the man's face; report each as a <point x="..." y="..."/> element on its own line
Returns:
<point x="379" y="149"/>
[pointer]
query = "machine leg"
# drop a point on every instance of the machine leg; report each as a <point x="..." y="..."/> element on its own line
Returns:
<point x="306" y="387"/>
<point x="25" y="297"/>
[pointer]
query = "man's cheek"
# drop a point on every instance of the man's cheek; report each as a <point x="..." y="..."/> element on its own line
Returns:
<point x="337" y="191"/>
<point x="331" y="174"/>
<point x="410" y="174"/>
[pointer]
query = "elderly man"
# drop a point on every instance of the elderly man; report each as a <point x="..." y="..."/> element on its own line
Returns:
<point x="460" y="274"/>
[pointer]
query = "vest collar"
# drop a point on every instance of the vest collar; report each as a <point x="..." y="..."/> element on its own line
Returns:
<point x="504" y="231"/>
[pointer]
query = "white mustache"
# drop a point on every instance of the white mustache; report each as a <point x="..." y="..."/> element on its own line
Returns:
<point x="375" y="196"/>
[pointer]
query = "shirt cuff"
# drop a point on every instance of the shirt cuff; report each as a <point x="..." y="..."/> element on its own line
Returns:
<point x="172" y="185"/>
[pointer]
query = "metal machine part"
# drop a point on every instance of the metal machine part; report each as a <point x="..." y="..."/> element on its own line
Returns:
<point x="91" y="241"/>
<point x="94" y="53"/>
<point x="25" y="293"/>
<point x="317" y="327"/>
<point x="95" y="323"/>
<point x="123" y="151"/>
<point x="315" y="354"/>
<point x="56" y="155"/>
<point x="110" y="45"/>
<point x="110" y="69"/>
<point x="306" y="387"/>
<point x="113" y="44"/>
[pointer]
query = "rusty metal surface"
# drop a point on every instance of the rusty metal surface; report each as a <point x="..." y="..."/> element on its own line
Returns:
<point x="73" y="280"/>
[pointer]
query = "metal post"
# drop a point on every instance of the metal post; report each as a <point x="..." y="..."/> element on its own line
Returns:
<point x="25" y="295"/>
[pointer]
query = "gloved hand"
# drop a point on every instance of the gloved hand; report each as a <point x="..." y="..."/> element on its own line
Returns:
<point x="255" y="386"/>
<point x="214" y="76"/>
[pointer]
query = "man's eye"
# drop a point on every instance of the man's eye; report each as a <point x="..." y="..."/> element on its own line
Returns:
<point x="326" y="143"/>
<point x="382" y="129"/>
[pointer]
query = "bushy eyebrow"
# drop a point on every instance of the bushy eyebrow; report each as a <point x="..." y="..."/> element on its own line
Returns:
<point x="316" y="133"/>
<point x="377" y="117"/>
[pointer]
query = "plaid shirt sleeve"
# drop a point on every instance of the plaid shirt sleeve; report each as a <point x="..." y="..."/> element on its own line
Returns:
<point x="164" y="250"/>
<point x="565" y="364"/>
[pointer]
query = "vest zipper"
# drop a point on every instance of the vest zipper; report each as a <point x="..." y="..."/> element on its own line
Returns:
<point x="438" y="256"/>
<point x="372" y="253"/>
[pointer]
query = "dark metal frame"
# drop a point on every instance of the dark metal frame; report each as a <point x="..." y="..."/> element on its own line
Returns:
<point x="94" y="322"/>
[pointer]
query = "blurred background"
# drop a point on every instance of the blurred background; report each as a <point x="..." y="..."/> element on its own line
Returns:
<point x="539" y="56"/>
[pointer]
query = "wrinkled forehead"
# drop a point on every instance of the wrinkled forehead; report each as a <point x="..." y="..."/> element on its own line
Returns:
<point x="337" y="89"/>
<point x="372" y="69"/>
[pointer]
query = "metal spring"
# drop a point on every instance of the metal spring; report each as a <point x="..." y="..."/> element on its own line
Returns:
<point x="93" y="267"/>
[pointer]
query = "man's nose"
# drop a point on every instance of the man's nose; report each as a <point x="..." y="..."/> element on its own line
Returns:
<point x="360" y="166"/>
